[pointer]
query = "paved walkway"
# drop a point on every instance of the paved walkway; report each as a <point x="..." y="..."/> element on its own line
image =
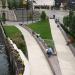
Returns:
<point x="38" y="62"/>
<point x="65" y="56"/>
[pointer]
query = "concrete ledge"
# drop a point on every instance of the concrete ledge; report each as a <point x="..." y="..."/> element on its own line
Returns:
<point x="24" y="59"/>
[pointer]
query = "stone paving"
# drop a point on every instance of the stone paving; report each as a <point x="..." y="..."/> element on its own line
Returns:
<point x="65" y="56"/>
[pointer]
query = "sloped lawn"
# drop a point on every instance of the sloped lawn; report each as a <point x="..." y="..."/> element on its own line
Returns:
<point x="16" y="36"/>
<point x="43" y="28"/>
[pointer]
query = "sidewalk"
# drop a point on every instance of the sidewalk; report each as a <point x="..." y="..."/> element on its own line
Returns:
<point x="65" y="56"/>
<point x="66" y="38"/>
<point x="37" y="60"/>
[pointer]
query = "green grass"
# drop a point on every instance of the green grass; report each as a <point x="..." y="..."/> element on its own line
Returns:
<point x="42" y="28"/>
<point x="16" y="36"/>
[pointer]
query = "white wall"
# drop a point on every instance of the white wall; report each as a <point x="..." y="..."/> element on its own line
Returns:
<point x="44" y="3"/>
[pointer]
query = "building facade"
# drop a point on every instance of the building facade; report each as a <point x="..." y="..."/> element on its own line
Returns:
<point x="71" y="4"/>
<point x="43" y="4"/>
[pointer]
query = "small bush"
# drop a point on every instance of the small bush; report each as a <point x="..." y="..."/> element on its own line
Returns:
<point x="43" y="15"/>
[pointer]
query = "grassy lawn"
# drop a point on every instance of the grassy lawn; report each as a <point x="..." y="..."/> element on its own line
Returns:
<point x="42" y="28"/>
<point x="16" y="36"/>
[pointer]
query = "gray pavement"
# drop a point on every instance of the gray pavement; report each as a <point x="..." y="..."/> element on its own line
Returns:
<point x="67" y="38"/>
<point x="58" y="13"/>
<point x="65" y="56"/>
<point x="55" y="65"/>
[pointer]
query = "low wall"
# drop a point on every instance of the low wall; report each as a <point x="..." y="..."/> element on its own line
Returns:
<point x="17" y="58"/>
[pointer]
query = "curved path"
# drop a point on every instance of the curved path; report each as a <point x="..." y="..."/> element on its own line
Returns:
<point x="37" y="60"/>
<point x="65" y="56"/>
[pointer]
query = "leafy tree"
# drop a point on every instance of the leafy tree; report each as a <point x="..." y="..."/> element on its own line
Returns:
<point x="3" y="3"/>
<point x="72" y="26"/>
<point x="10" y="4"/>
<point x="69" y="21"/>
<point x="66" y="21"/>
<point x="21" y="4"/>
<point x="70" y="16"/>
<point x="27" y="5"/>
<point x="15" y="4"/>
<point x="71" y="13"/>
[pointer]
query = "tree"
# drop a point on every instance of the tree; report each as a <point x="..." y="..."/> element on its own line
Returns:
<point x="15" y="4"/>
<point x="3" y="3"/>
<point x="27" y="5"/>
<point x="10" y="4"/>
<point x="69" y="21"/>
<point x="71" y="13"/>
<point x="21" y="4"/>
<point x="66" y="21"/>
<point x="43" y="15"/>
<point x="72" y="26"/>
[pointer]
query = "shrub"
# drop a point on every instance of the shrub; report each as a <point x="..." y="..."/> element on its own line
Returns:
<point x="66" y="21"/>
<point x="43" y="15"/>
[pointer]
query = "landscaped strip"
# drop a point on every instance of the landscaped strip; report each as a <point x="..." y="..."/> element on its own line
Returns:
<point x="16" y="36"/>
<point x="43" y="28"/>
